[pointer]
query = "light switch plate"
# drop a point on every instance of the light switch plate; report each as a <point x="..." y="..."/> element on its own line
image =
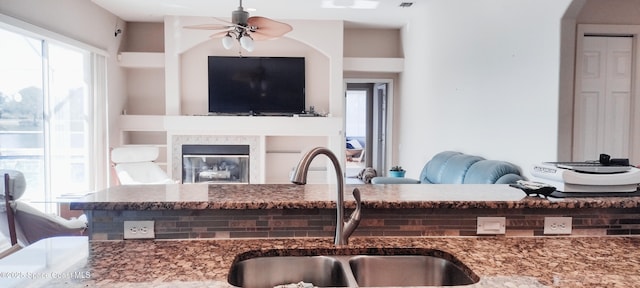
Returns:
<point x="491" y="225"/>
<point x="139" y="230"/>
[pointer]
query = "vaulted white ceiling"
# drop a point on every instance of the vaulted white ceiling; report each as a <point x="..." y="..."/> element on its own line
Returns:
<point x="355" y="13"/>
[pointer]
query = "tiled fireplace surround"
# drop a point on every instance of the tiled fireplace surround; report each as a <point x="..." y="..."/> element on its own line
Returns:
<point x="255" y="151"/>
<point x="182" y="224"/>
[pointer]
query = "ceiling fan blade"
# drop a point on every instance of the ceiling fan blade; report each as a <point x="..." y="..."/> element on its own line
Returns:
<point x="208" y="27"/>
<point x="224" y="24"/>
<point x="219" y="34"/>
<point x="259" y="36"/>
<point x="267" y="27"/>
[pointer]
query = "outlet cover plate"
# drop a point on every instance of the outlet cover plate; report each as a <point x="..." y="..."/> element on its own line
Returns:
<point x="491" y="225"/>
<point x="557" y="225"/>
<point x="139" y="230"/>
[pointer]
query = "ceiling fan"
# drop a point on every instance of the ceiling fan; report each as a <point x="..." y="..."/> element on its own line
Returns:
<point x="245" y="29"/>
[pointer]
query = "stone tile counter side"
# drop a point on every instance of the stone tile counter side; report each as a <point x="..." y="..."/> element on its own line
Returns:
<point x="292" y="211"/>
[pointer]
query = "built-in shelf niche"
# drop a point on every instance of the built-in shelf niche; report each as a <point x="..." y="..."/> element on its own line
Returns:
<point x="283" y="154"/>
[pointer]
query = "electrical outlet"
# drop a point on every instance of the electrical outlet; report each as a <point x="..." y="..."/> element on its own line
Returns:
<point x="557" y="225"/>
<point x="139" y="230"/>
<point x="491" y="225"/>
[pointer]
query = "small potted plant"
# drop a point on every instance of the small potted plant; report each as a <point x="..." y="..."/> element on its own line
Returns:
<point x="397" y="171"/>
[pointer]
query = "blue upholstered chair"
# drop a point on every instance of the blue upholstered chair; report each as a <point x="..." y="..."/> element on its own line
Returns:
<point x="451" y="167"/>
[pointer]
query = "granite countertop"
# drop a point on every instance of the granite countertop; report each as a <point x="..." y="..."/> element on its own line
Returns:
<point x="290" y="196"/>
<point x="499" y="262"/>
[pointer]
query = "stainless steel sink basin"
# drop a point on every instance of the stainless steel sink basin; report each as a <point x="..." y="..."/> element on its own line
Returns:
<point x="321" y="271"/>
<point x="407" y="270"/>
<point x="377" y="267"/>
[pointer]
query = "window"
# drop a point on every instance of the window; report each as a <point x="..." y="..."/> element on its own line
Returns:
<point x="46" y="115"/>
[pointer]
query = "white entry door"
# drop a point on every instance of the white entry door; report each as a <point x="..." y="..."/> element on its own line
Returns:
<point x="603" y="109"/>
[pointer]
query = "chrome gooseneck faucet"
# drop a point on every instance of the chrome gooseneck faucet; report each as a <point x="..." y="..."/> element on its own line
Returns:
<point x="299" y="176"/>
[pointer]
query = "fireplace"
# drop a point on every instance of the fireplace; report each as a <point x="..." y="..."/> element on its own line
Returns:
<point x="215" y="164"/>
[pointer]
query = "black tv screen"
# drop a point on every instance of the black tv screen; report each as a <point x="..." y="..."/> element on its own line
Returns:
<point x="256" y="85"/>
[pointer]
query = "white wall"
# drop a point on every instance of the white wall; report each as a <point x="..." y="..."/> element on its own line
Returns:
<point x="481" y="77"/>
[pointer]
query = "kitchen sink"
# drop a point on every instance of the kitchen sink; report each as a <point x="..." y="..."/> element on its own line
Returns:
<point x="378" y="267"/>
<point x="258" y="272"/>
<point x="407" y="270"/>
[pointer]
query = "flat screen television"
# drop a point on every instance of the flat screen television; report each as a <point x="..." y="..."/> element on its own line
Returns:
<point x="256" y="85"/>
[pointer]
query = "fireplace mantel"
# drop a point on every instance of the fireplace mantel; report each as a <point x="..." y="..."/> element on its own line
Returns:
<point x="256" y="125"/>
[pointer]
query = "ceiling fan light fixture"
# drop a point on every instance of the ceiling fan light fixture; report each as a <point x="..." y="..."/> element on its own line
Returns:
<point x="246" y="42"/>
<point x="227" y="41"/>
<point x="245" y="29"/>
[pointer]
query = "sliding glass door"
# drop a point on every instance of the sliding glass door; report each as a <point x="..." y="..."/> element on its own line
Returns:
<point x="46" y="115"/>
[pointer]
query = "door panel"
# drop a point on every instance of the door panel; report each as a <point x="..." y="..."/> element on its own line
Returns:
<point x="617" y="117"/>
<point x="587" y="116"/>
<point x="603" y="101"/>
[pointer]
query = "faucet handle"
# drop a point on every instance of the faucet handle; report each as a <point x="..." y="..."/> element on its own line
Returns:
<point x="354" y="219"/>
<point x="356" y="194"/>
<point x="355" y="215"/>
